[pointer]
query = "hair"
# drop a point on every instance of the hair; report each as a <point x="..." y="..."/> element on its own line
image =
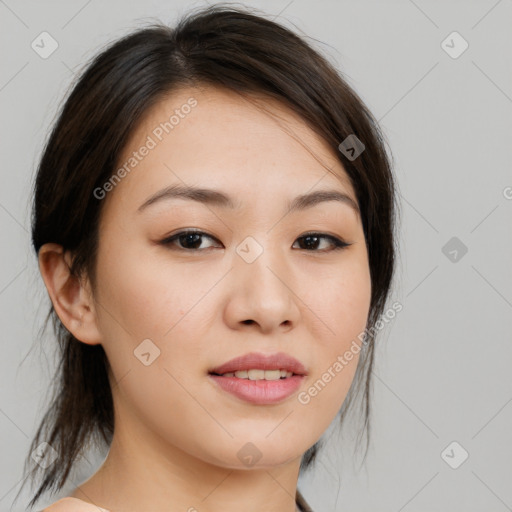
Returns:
<point x="220" y="46"/>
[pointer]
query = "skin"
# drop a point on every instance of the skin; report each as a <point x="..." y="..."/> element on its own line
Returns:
<point x="177" y="435"/>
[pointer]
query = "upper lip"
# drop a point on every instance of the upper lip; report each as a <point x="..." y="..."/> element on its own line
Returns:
<point x="255" y="360"/>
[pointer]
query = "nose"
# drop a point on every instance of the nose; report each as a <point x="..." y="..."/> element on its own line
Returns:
<point x="261" y="296"/>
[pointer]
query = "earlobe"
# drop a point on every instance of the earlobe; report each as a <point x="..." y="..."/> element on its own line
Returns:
<point x="71" y="301"/>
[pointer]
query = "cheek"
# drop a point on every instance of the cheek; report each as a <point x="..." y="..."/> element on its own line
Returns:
<point x="342" y="302"/>
<point x="340" y="297"/>
<point x="149" y="312"/>
<point x="143" y="297"/>
<point x="349" y="304"/>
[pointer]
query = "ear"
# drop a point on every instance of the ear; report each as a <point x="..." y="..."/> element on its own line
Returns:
<point x="72" y="299"/>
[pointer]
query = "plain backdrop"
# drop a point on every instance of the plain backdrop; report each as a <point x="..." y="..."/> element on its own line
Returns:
<point x="438" y="77"/>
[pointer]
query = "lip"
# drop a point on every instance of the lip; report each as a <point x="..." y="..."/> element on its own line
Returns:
<point x="260" y="361"/>
<point x="260" y="392"/>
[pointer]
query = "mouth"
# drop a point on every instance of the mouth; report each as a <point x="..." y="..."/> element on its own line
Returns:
<point x="259" y="366"/>
<point x="257" y="374"/>
<point x="260" y="379"/>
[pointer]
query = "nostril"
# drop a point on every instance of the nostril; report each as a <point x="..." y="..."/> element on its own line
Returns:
<point x="248" y="322"/>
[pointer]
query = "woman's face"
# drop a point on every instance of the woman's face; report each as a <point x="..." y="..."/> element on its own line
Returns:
<point x="170" y="312"/>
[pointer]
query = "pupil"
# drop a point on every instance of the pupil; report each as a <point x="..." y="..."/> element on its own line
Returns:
<point x="310" y="238"/>
<point x="189" y="239"/>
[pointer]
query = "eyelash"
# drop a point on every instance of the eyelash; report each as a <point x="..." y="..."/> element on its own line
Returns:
<point x="336" y="242"/>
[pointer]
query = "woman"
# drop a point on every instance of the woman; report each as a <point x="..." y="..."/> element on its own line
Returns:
<point x="214" y="224"/>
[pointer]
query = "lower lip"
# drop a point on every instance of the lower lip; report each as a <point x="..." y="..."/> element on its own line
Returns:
<point x="261" y="392"/>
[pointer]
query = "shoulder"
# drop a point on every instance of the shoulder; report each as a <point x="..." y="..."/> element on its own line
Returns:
<point x="72" y="505"/>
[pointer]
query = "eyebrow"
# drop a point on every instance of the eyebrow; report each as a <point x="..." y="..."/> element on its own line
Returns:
<point x="218" y="198"/>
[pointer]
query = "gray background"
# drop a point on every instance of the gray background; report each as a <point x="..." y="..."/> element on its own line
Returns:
<point x="443" y="365"/>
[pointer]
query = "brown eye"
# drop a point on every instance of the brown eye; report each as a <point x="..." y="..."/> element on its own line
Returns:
<point x="311" y="242"/>
<point x="187" y="240"/>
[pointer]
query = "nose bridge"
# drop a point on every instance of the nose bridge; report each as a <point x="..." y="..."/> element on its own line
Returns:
<point x="260" y="283"/>
<point x="260" y="261"/>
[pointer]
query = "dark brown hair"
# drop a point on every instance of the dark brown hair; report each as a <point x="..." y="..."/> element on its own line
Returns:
<point x="220" y="46"/>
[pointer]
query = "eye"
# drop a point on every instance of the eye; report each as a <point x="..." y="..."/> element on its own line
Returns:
<point x="191" y="240"/>
<point x="311" y="241"/>
<point x="188" y="240"/>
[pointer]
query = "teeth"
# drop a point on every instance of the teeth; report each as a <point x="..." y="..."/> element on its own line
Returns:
<point x="257" y="374"/>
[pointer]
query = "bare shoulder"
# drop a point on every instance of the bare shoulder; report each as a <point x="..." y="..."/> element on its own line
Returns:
<point x="73" y="505"/>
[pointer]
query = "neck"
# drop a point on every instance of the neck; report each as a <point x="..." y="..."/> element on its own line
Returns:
<point x="154" y="475"/>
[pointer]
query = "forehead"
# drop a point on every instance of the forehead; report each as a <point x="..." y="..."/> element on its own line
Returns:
<point x="214" y="137"/>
